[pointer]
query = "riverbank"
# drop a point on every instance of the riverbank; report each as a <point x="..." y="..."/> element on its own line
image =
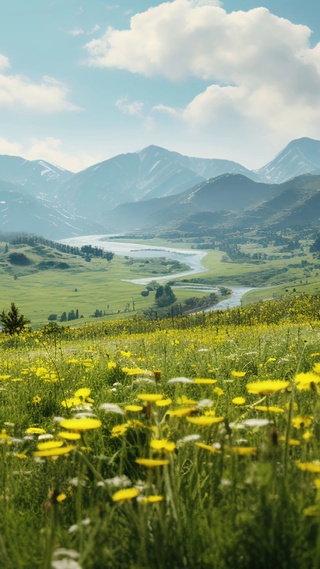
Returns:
<point x="188" y="256"/>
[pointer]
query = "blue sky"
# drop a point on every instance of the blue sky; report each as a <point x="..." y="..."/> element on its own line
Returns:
<point x="84" y="80"/>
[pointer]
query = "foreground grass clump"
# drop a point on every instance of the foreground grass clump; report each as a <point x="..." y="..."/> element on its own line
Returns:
<point x="192" y="444"/>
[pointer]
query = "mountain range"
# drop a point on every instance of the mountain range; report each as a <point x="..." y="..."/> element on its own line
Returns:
<point x="155" y="188"/>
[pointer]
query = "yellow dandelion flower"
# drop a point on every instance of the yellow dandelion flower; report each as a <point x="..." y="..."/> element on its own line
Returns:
<point x="313" y="467"/>
<point x="181" y="412"/>
<point x="307" y="436"/>
<point x="270" y="409"/>
<point x="244" y="451"/>
<point x="150" y="397"/>
<point x="61" y="497"/>
<point x="53" y="451"/>
<point x="238" y="400"/>
<point x="125" y="354"/>
<point x="112" y="365"/>
<point x="20" y="455"/>
<point x="235" y="373"/>
<point x="208" y="447"/>
<point x="120" y="430"/>
<point x="135" y="371"/>
<point x="134" y="408"/>
<point x="305" y="381"/>
<point x="185" y="401"/>
<point x="4" y="377"/>
<point x="164" y="402"/>
<point x="71" y="402"/>
<point x="35" y="431"/>
<point x="82" y="424"/>
<point x="49" y="445"/>
<point x="267" y="387"/>
<point x="162" y="444"/>
<point x="83" y="393"/>
<point x="125" y="494"/>
<point x="151" y="462"/>
<point x="204" y="381"/>
<point x="302" y="422"/>
<point x="70" y="436"/>
<point x="36" y="400"/>
<point x="4" y="436"/>
<point x="204" y="421"/>
<point x="218" y="391"/>
<point x="292" y="442"/>
<point x="151" y="499"/>
<point x="41" y="371"/>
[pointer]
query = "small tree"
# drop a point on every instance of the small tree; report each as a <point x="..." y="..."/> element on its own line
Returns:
<point x="13" y="322"/>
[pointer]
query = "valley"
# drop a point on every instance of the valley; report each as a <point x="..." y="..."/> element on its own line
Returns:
<point x="51" y="283"/>
<point x="167" y="218"/>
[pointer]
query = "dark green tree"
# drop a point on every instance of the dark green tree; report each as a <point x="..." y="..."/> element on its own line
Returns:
<point x="12" y="321"/>
<point x="164" y="296"/>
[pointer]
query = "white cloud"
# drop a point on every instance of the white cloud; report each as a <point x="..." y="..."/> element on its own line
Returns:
<point x="134" y="108"/>
<point x="4" y="62"/>
<point x="50" y="149"/>
<point x="95" y="29"/>
<point x="10" y="148"/>
<point x="263" y="75"/>
<point x="19" y="91"/>
<point x="80" y="32"/>
<point x="76" y="32"/>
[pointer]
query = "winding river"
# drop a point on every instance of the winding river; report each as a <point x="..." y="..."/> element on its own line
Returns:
<point x="187" y="256"/>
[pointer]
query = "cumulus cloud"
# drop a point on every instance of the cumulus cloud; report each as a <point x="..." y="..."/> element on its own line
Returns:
<point x="134" y="108"/>
<point x="48" y="96"/>
<point x="4" y="62"/>
<point x="9" y="148"/>
<point x="260" y="69"/>
<point x="52" y="150"/>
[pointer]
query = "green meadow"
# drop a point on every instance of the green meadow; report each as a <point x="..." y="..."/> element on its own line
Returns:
<point x="101" y="285"/>
<point x="86" y="286"/>
<point x="153" y="444"/>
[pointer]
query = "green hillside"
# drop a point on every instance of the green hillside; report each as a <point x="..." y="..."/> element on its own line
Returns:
<point x="44" y="281"/>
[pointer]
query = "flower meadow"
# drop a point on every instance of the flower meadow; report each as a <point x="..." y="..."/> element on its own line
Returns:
<point x="188" y="442"/>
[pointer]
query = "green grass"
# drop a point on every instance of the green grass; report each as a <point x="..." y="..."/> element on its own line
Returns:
<point x="235" y="493"/>
<point x="101" y="285"/>
<point x="85" y="286"/>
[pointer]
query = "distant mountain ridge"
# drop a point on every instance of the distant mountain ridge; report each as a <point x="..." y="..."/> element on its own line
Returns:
<point x="38" y="177"/>
<point x="146" y="189"/>
<point x="299" y="157"/>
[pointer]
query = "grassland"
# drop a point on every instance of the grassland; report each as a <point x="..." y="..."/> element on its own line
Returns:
<point x="101" y="285"/>
<point x="85" y="286"/>
<point x="189" y="442"/>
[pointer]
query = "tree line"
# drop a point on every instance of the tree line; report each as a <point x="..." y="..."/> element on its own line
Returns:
<point x="86" y="251"/>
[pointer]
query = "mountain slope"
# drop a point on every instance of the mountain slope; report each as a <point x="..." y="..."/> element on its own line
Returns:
<point x="301" y="156"/>
<point x="21" y="212"/>
<point x="37" y="177"/>
<point x="223" y="193"/>
<point x="153" y="172"/>
<point x="297" y="203"/>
